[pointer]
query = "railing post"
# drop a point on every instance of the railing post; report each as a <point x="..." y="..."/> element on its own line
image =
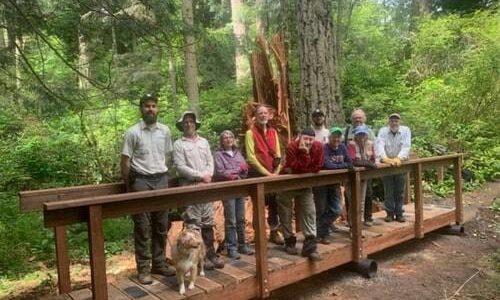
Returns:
<point x="355" y="211"/>
<point x="258" y="203"/>
<point x="97" y="256"/>
<point x="419" y="203"/>
<point x="457" y="176"/>
<point x="62" y="260"/>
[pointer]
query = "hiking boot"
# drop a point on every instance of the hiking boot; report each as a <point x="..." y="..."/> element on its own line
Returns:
<point x="216" y="261"/>
<point x="165" y="271"/>
<point x="290" y="245"/>
<point x="314" y="256"/>
<point x="245" y="249"/>
<point x="208" y="265"/>
<point x="144" y="278"/>
<point x="233" y="254"/>
<point x="275" y="237"/>
<point x="389" y="218"/>
<point x="400" y="219"/>
<point x="326" y="240"/>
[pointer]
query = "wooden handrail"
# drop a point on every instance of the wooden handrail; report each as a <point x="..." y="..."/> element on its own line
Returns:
<point x="63" y="207"/>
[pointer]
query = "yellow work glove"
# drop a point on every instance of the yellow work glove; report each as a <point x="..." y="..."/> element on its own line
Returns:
<point x="388" y="160"/>
<point x="397" y="161"/>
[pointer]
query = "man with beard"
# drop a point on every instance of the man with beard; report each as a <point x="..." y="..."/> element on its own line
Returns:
<point x="264" y="156"/>
<point x="320" y="131"/>
<point x="147" y="148"/>
<point x="393" y="146"/>
<point x="358" y="118"/>
<point x="195" y="165"/>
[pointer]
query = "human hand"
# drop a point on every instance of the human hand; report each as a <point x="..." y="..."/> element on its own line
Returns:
<point x="232" y="176"/>
<point x="243" y="167"/>
<point x="397" y="161"/>
<point x="206" y="179"/>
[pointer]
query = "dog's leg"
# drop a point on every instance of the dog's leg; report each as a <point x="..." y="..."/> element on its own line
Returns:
<point x="180" y="281"/>
<point x="202" y="269"/>
<point x="192" y="278"/>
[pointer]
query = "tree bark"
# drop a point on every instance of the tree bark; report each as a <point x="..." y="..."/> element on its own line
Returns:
<point x="319" y="73"/>
<point x="172" y="77"/>
<point x="83" y="63"/>
<point x="190" y="64"/>
<point x="241" y="62"/>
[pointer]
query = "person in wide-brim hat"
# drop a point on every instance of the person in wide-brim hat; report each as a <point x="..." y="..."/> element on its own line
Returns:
<point x="178" y="124"/>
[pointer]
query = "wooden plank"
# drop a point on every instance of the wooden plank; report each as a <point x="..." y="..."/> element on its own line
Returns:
<point x="252" y="261"/>
<point x="244" y="290"/>
<point x="97" y="256"/>
<point x="33" y="200"/>
<point x="243" y="265"/>
<point x="221" y="278"/>
<point x="171" y="281"/>
<point x="159" y="290"/>
<point x="280" y="263"/>
<point x="115" y="294"/>
<point x="382" y="171"/>
<point x="132" y="290"/>
<point x="419" y="203"/>
<point x="355" y="211"/>
<point x="439" y="221"/>
<point x="307" y="268"/>
<point x="258" y="202"/>
<point x="62" y="259"/>
<point x="389" y="239"/>
<point x="239" y="274"/>
<point x="457" y="177"/>
<point x="208" y="285"/>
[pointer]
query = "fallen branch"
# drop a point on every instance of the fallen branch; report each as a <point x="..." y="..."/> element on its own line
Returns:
<point x="463" y="284"/>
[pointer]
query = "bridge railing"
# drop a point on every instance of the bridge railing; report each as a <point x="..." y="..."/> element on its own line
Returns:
<point x="94" y="203"/>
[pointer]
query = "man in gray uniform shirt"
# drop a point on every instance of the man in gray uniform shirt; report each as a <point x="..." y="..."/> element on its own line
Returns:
<point x="146" y="149"/>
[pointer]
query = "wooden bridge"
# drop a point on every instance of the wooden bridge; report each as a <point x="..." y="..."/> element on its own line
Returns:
<point x="251" y="276"/>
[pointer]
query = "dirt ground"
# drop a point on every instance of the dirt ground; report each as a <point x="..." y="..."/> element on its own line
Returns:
<point x="436" y="267"/>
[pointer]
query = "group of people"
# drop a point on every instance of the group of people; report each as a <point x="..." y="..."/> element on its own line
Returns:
<point x="148" y="151"/>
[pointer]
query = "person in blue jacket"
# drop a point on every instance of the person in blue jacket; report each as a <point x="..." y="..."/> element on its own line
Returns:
<point x="328" y="207"/>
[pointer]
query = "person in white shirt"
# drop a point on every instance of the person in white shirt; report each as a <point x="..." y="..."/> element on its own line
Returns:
<point x="392" y="147"/>
<point x="318" y="124"/>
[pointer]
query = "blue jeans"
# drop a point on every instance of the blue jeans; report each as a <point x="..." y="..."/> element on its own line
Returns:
<point x="394" y="187"/>
<point x="327" y="201"/>
<point x="234" y="223"/>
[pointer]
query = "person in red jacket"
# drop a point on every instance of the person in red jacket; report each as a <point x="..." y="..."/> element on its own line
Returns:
<point x="305" y="155"/>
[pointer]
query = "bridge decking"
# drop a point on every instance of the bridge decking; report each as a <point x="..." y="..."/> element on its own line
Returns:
<point x="238" y="279"/>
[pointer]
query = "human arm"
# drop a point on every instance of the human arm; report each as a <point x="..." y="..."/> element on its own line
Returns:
<point x="404" y="153"/>
<point x="278" y="155"/>
<point x="125" y="171"/>
<point x="209" y="171"/>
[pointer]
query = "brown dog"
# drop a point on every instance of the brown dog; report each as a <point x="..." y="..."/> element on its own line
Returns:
<point x="188" y="253"/>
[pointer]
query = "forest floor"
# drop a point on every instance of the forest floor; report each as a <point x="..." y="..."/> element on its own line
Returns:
<point x="436" y="267"/>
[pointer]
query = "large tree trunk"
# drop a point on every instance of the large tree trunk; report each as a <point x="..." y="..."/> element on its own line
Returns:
<point x="191" y="69"/>
<point x="241" y="62"/>
<point x="261" y="20"/>
<point x="319" y="74"/>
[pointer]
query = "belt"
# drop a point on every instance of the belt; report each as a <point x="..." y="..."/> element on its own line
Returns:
<point x="149" y="176"/>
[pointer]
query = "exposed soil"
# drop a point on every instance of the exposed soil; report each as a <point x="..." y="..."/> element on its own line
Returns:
<point x="436" y="267"/>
